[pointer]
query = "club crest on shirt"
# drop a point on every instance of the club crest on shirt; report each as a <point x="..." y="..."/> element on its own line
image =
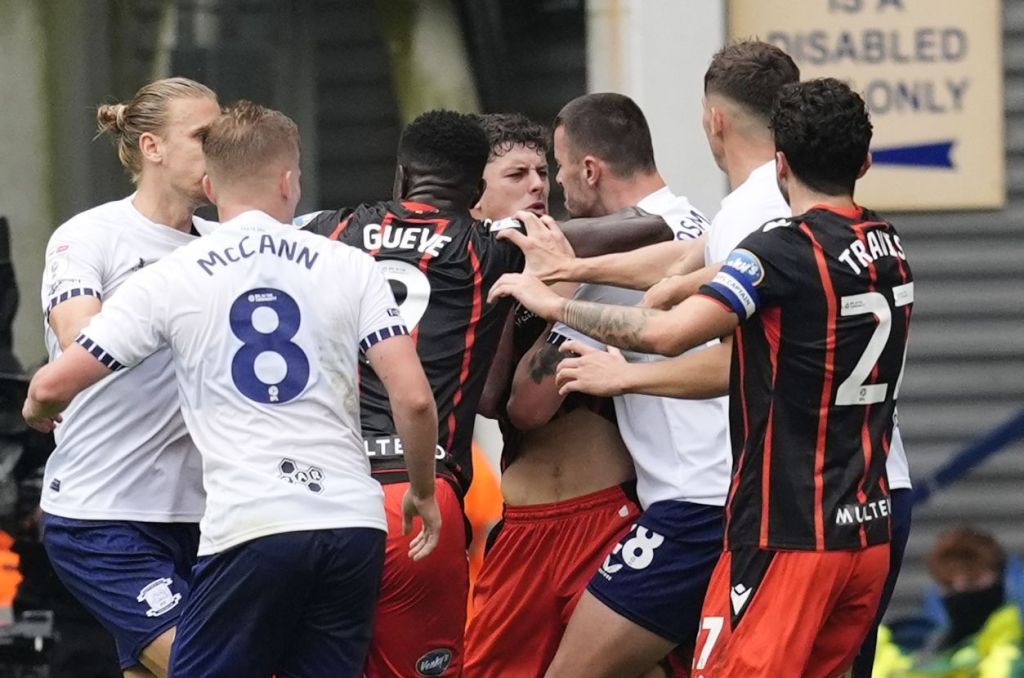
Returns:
<point x="158" y="595"/>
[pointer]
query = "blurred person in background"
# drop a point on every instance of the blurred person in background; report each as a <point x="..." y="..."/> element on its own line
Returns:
<point x="983" y="634"/>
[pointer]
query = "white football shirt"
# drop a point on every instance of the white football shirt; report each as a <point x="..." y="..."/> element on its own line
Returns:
<point x="680" y="448"/>
<point x="265" y="323"/>
<point x="755" y="202"/>
<point x="123" y="452"/>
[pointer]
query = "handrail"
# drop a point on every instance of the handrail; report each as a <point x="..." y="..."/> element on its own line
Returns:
<point x="978" y="451"/>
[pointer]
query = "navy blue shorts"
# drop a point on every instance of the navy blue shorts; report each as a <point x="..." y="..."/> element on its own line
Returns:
<point x="657" y="575"/>
<point x="132" y="576"/>
<point x="290" y="604"/>
<point x="902" y="511"/>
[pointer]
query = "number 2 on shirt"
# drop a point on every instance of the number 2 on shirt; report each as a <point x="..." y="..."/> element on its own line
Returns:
<point x="853" y="390"/>
<point x="266" y="320"/>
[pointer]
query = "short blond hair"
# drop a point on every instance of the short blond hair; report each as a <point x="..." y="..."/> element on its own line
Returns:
<point x="247" y="138"/>
<point x="145" y="112"/>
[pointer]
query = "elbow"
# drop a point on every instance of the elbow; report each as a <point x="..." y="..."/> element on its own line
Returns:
<point x="665" y="342"/>
<point x="417" y="404"/>
<point x="526" y="417"/>
<point x="48" y="391"/>
<point x="488" y="407"/>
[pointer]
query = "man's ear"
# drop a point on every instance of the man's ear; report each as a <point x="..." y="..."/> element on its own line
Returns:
<point x="782" y="170"/>
<point x="718" y="122"/>
<point x="480" y="188"/>
<point x="150" y="147"/>
<point x="591" y="170"/>
<point x="285" y="185"/>
<point x="866" y="166"/>
<point x="208" y="189"/>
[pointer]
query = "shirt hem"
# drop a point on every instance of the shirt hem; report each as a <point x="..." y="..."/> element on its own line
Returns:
<point x="77" y="514"/>
<point x="213" y="548"/>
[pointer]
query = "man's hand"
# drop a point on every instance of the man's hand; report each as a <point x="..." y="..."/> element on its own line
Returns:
<point x="38" y="417"/>
<point x="548" y="252"/>
<point x="531" y="293"/>
<point x="664" y="294"/>
<point x="428" y="511"/>
<point x="594" y="372"/>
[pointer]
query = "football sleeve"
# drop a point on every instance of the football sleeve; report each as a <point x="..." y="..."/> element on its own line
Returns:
<point x="74" y="266"/>
<point x="379" y="317"/>
<point x="131" y="326"/>
<point x="328" y="223"/>
<point x="497" y="257"/>
<point x="757" y="274"/>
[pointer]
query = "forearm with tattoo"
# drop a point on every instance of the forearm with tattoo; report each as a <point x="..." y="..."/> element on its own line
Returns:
<point x="621" y="326"/>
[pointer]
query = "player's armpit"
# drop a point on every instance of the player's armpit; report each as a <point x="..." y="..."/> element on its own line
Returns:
<point x="69" y="317"/>
<point x="395" y="361"/>
<point x="55" y="385"/>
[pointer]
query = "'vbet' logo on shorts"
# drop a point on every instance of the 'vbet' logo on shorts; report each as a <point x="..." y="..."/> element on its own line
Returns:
<point x="158" y="595"/>
<point x="434" y="662"/>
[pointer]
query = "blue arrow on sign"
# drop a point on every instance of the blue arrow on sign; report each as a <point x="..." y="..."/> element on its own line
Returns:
<point x="922" y="155"/>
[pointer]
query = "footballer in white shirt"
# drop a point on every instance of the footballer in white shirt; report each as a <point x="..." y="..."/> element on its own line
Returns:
<point x="122" y="494"/>
<point x="292" y="539"/>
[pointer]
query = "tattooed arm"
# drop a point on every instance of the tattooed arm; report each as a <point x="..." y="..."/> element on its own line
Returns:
<point x="694" y="322"/>
<point x="534" y="399"/>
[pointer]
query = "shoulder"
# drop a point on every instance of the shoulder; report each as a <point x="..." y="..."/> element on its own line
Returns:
<point x="99" y="222"/>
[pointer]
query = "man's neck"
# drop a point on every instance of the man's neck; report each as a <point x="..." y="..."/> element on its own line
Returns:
<point x="227" y="210"/>
<point x="802" y="199"/>
<point x="438" y="194"/>
<point x="743" y="156"/>
<point x="168" y="208"/>
<point x="619" y="194"/>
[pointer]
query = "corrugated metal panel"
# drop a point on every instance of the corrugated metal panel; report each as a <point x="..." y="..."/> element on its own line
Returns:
<point x="357" y="117"/>
<point x="965" y="371"/>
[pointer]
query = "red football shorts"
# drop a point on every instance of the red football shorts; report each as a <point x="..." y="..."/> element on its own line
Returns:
<point x="533" y="576"/>
<point x="788" y="613"/>
<point x="421" y="616"/>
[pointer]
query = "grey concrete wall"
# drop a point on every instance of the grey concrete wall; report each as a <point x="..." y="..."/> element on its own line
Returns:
<point x="24" y="163"/>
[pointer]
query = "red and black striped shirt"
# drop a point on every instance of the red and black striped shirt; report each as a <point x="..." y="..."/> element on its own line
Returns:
<point x="440" y="265"/>
<point x="824" y="300"/>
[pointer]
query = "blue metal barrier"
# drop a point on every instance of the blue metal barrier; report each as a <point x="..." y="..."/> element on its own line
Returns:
<point x="970" y="457"/>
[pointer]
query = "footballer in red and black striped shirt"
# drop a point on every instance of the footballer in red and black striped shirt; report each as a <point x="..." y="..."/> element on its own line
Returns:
<point x="441" y="264"/>
<point x="825" y="300"/>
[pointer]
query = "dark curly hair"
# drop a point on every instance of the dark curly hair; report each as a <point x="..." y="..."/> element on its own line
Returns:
<point x="750" y="72"/>
<point x="450" y="144"/>
<point x="824" y="129"/>
<point x="506" y="130"/>
<point x="611" y="127"/>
